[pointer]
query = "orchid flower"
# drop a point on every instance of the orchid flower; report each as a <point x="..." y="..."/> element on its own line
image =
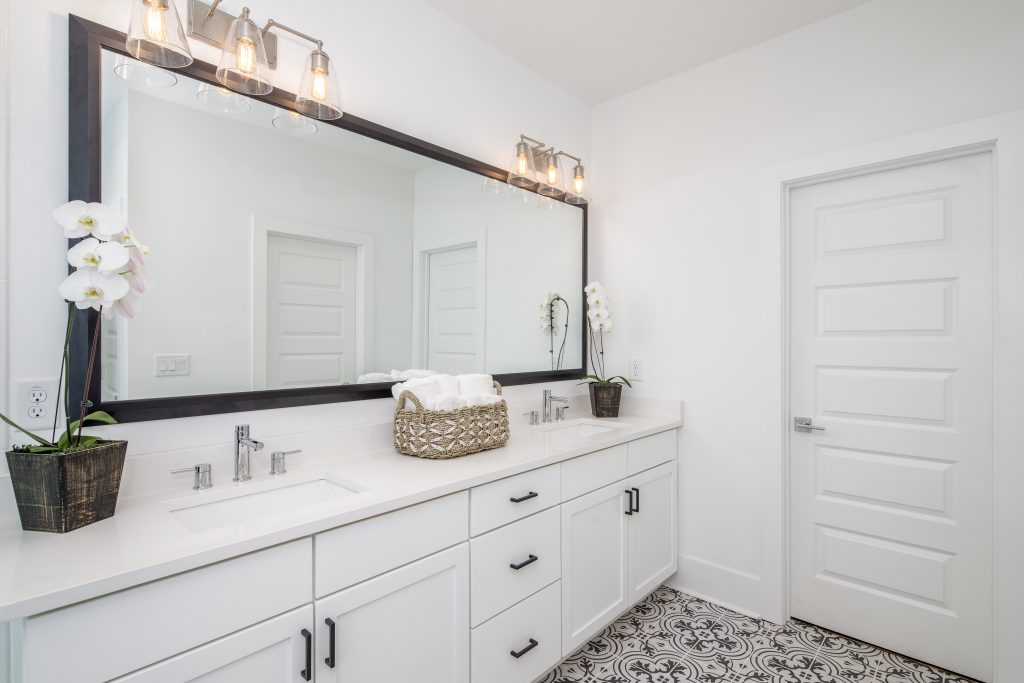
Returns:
<point x="594" y="287"/>
<point x="89" y="288"/>
<point x="106" y="257"/>
<point x="89" y="220"/>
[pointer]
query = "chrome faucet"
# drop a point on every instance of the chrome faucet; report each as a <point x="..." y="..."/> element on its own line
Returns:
<point x="244" y="446"/>
<point x="548" y="400"/>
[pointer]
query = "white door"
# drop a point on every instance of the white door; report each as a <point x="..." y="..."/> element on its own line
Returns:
<point x="594" y="571"/>
<point x="653" y="554"/>
<point x="274" y="651"/>
<point x="891" y="353"/>
<point x="452" y="315"/>
<point x="311" y="319"/>
<point x="411" y="624"/>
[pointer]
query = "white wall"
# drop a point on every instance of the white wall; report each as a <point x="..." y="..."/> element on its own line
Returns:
<point x="676" y="223"/>
<point x="401" y="64"/>
<point x="4" y="212"/>
<point x="533" y="247"/>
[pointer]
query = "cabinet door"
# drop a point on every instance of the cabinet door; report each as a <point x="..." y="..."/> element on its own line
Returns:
<point x="653" y="540"/>
<point x="411" y="624"/>
<point x="594" y="578"/>
<point x="271" y="652"/>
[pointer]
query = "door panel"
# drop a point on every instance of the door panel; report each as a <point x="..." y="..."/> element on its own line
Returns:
<point x="594" y="571"/>
<point x="891" y="352"/>
<point x="653" y="541"/>
<point x="411" y="624"/>
<point x="452" y="315"/>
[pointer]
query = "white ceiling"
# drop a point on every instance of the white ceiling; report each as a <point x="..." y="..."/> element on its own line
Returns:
<point x="599" y="49"/>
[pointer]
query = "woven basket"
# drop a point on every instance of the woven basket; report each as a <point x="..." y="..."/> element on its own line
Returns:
<point x="440" y="434"/>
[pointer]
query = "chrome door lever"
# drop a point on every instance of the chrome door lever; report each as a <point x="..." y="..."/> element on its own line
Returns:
<point x="805" y="425"/>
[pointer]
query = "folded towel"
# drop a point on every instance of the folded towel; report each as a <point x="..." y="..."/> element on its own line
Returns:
<point x="425" y="389"/>
<point x="447" y="385"/>
<point x="482" y="400"/>
<point x="475" y="385"/>
<point x="373" y="377"/>
<point x="446" y="402"/>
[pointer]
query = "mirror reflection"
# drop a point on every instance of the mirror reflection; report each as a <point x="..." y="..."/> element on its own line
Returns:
<point x="291" y="253"/>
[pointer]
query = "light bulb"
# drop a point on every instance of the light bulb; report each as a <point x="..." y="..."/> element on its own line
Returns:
<point x="245" y="58"/>
<point x="319" y="90"/>
<point x="522" y="167"/>
<point x="156" y="22"/>
<point x="577" y="185"/>
<point x="552" y="171"/>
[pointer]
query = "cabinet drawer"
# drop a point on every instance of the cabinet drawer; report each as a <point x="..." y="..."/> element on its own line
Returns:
<point x="359" y="551"/>
<point x="495" y="584"/>
<point x="535" y="620"/>
<point x="495" y="504"/>
<point x="592" y="471"/>
<point x="652" y="450"/>
<point x="118" y="633"/>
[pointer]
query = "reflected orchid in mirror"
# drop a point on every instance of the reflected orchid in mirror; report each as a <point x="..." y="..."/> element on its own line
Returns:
<point x="551" y="307"/>
<point x="81" y="219"/>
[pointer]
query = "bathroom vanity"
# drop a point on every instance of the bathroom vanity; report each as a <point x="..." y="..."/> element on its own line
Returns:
<point x="488" y="568"/>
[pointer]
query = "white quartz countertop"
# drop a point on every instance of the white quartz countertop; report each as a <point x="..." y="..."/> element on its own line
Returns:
<point x="144" y="541"/>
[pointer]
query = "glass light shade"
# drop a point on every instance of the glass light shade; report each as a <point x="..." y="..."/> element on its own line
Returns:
<point x="551" y="177"/>
<point x="243" y="62"/>
<point x="577" y="191"/>
<point x="155" y="34"/>
<point x="221" y="99"/>
<point x="141" y="73"/>
<point x="293" y="123"/>
<point x="521" y="170"/>
<point x="319" y="94"/>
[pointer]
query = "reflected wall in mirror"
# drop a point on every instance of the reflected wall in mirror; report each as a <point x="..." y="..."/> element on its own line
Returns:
<point x="288" y="253"/>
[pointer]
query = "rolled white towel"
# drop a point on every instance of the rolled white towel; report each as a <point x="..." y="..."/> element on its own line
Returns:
<point x="446" y="402"/>
<point x="475" y="385"/>
<point x="373" y="377"/>
<point x="425" y="389"/>
<point x="482" y="400"/>
<point x="463" y="401"/>
<point x="447" y="385"/>
<point x="397" y="389"/>
<point x="415" y="373"/>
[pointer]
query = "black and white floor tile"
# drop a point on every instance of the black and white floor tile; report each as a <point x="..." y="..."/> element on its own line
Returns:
<point x="672" y="637"/>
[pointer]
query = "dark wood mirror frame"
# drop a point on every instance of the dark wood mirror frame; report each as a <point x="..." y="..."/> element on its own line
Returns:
<point x="87" y="40"/>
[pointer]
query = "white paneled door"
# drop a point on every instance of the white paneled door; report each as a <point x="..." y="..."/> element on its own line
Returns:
<point x="452" y="325"/>
<point x="891" y="346"/>
<point x="311" y="318"/>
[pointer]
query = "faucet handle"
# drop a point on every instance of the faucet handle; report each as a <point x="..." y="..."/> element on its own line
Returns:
<point x="560" y="412"/>
<point x="534" y="416"/>
<point x="277" y="461"/>
<point x="203" y="475"/>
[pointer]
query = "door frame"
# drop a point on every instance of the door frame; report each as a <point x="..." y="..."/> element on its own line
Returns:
<point x="265" y="226"/>
<point x="1003" y="135"/>
<point x="422" y="248"/>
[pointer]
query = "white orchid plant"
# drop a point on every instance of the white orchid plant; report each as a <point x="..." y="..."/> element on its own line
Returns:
<point x="550" y="312"/>
<point x="599" y="322"/>
<point x="109" y="273"/>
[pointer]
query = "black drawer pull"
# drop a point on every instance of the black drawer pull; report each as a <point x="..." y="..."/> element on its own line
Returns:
<point x="307" y="673"/>
<point x="531" y="560"/>
<point x="636" y="505"/>
<point x="330" y="642"/>
<point x="528" y="496"/>
<point x="629" y="505"/>
<point x="517" y="655"/>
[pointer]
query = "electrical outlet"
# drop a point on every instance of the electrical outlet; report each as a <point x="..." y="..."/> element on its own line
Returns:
<point x="35" y="403"/>
<point x="635" y="370"/>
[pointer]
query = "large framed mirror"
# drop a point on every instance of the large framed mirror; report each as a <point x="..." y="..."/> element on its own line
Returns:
<point x="297" y="262"/>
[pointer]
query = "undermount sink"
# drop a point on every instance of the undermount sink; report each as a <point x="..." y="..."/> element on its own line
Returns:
<point x="563" y="434"/>
<point x="250" y="503"/>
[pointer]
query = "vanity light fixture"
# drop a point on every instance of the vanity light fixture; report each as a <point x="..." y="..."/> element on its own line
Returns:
<point x="155" y="34"/>
<point x="249" y="52"/>
<point x="293" y="123"/>
<point x="221" y="99"/>
<point x="537" y="166"/>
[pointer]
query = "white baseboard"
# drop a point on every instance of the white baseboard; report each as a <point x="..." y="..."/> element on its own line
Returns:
<point x="725" y="586"/>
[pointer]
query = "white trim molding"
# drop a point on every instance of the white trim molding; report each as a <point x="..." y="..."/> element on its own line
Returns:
<point x="363" y="242"/>
<point x="1005" y="135"/>
<point x="711" y="581"/>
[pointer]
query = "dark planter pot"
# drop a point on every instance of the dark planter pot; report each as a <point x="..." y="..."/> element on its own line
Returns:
<point x="61" y="492"/>
<point x="605" y="399"/>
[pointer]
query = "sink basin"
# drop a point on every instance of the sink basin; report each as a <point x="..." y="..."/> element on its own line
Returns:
<point x="249" y="504"/>
<point x="572" y="432"/>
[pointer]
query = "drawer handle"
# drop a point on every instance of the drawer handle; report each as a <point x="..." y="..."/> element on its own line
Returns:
<point x="636" y="505"/>
<point x="307" y="673"/>
<point x="517" y="655"/>
<point x="330" y="642"/>
<point x="528" y="496"/>
<point x="531" y="560"/>
<point x="629" y="504"/>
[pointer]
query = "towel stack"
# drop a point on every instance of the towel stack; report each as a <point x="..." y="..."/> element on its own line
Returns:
<point x="445" y="392"/>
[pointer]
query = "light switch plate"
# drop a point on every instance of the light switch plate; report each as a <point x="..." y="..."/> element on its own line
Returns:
<point x="172" y="365"/>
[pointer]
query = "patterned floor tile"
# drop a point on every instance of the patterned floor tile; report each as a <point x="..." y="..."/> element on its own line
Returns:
<point x="672" y="637"/>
